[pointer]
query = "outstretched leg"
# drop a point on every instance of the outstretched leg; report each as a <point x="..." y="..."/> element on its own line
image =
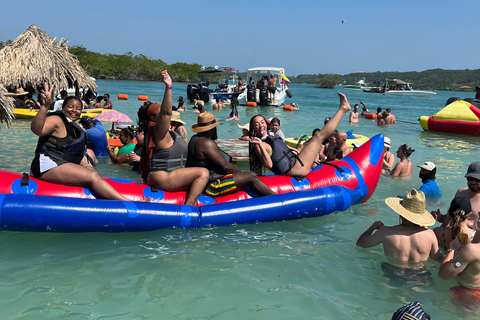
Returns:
<point x="308" y="154"/>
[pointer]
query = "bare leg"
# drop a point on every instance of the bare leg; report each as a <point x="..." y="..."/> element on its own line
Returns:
<point x="243" y="179"/>
<point x="308" y="154"/>
<point x="192" y="179"/>
<point x="71" y="174"/>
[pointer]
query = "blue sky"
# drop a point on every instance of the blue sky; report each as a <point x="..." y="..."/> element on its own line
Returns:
<point x="304" y="37"/>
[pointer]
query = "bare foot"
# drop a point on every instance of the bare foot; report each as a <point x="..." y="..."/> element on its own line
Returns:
<point x="344" y="105"/>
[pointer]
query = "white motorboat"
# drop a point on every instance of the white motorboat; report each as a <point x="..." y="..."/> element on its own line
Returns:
<point x="262" y="95"/>
<point x="396" y="87"/>
<point x="359" y="86"/>
<point x="226" y="90"/>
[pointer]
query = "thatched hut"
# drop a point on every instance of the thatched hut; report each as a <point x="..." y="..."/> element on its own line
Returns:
<point x="35" y="58"/>
<point x="6" y="107"/>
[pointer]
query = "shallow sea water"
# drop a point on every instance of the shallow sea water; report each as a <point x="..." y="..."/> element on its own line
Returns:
<point x="306" y="268"/>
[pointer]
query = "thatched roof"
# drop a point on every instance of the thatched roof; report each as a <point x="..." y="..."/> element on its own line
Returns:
<point x="35" y="58"/>
<point x="6" y="107"/>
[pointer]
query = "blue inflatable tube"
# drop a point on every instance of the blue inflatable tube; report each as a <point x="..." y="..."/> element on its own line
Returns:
<point x="21" y="212"/>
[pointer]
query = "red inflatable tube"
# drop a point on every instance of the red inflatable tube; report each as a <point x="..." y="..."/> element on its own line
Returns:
<point x="359" y="170"/>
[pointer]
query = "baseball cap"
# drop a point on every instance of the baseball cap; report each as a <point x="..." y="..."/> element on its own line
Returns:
<point x="428" y="166"/>
<point x="473" y="170"/>
<point x="460" y="203"/>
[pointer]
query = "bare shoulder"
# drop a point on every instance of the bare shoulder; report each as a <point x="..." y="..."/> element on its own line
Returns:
<point x="462" y="192"/>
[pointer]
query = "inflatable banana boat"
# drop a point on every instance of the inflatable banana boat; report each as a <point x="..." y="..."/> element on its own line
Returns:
<point x="31" y="113"/>
<point x="29" y="204"/>
<point x="457" y="117"/>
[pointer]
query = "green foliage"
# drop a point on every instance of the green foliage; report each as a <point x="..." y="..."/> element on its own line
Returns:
<point x="4" y="43"/>
<point x="132" y="67"/>
<point x="327" y="80"/>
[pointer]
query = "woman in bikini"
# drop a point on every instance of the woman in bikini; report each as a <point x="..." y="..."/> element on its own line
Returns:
<point x="388" y="157"/>
<point x="459" y="211"/>
<point x="272" y="153"/>
<point x="404" y="167"/>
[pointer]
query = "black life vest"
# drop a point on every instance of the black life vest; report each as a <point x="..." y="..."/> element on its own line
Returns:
<point x="283" y="158"/>
<point x="171" y="158"/>
<point x="71" y="148"/>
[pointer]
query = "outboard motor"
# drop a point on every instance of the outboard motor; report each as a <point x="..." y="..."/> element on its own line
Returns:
<point x="264" y="97"/>
<point x="203" y="93"/>
<point x="252" y="94"/>
<point x="192" y="91"/>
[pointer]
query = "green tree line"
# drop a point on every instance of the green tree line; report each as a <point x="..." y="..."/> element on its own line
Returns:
<point x="433" y="79"/>
<point x="139" y="67"/>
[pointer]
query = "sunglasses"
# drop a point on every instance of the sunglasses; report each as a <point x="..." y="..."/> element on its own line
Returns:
<point x="473" y="179"/>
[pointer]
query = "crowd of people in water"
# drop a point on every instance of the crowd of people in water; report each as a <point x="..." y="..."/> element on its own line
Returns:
<point x="169" y="160"/>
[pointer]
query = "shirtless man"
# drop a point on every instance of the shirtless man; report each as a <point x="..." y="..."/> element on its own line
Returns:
<point x="340" y="142"/>
<point x="272" y="87"/>
<point x="218" y="105"/>
<point x="409" y="242"/>
<point x="463" y="262"/>
<point x="471" y="192"/>
<point x="390" y="118"/>
<point x="354" y="114"/>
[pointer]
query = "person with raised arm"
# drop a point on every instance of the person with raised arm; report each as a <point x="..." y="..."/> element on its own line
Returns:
<point x="61" y="146"/>
<point x="164" y="155"/>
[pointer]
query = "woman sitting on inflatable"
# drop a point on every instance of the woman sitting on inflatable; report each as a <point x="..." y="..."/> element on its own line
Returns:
<point x="164" y="154"/>
<point x="274" y="154"/>
<point x="61" y="147"/>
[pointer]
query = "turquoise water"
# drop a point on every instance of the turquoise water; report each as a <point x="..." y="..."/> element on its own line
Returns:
<point x="305" y="268"/>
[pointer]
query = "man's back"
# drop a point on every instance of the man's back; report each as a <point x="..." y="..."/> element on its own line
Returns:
<point x="409" y="243"/>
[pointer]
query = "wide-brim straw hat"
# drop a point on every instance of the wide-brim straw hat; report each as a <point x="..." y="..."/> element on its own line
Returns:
<point x="18" y="92"/>
<point x="412" y="208"/>
<point x="205" y="122"/>
<point x="176" y="117"/>
<point x="199" y="103"/>
<point x="246" y="127"/>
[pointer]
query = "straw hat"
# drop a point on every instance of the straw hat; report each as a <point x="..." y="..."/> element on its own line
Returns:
<point x="199" y="103"/>
<point x="246" y="127"/>
<point x="18" y="92"/>
<point x="176" y="117"/>
<point x="412" y="208"/>
<point x="205" y="122"/>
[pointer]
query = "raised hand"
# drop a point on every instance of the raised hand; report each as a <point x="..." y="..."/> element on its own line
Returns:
<point x="166" y="78"/>
<point x="46" y="96"/>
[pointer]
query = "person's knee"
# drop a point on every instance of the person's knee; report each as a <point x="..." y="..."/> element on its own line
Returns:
<point x="204" y="174"/>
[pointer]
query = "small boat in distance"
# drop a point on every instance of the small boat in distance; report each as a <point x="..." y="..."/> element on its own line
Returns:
<point x="225" y="91"/>
<point x="261" y="95"/>
<point x="378" y="87"/>
<point x="359" y="86"/>
<point x="396" y="87"/>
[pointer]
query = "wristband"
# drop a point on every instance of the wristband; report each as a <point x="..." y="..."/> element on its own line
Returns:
<point x="168" y="87"/>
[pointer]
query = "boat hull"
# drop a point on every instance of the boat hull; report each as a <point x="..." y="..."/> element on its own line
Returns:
<point x="409" y="93"/>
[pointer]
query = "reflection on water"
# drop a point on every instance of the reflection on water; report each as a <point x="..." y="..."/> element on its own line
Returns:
<point x="309" y="268"/>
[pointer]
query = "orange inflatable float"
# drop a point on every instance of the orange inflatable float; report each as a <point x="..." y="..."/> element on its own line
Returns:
<point x="122" y="97"/>
<point x="251" y="104"/>
<point x="288" y="107"/>
<point x="143" y="98"/>
<point x="371" y="116"/>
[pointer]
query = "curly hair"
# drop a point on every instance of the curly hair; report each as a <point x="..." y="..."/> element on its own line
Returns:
<point x="459" y="216"/>
<point x="255" y="163"/>
<point x="143" y="118"/>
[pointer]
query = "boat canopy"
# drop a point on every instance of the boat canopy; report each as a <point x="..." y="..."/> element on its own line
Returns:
<point x="271" y="69"/>
<point x="216" y="70"/>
